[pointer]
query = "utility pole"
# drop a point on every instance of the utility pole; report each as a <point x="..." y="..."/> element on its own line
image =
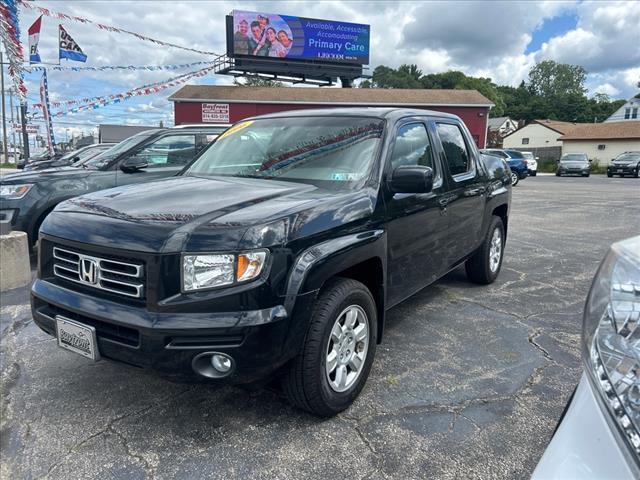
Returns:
<point x="4" y="113"/>
<point x="13" y="129"/>
<point x="25" y="135"/>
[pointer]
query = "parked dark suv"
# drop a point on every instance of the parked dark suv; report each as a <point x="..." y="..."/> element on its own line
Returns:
<point x="27" y="198"/>
<point x="627" y="163"/>
<point x="278" y="250"/>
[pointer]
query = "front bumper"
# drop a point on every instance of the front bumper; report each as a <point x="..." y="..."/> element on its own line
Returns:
<point x="585" y="445"/>
<point x="258" y="341"/>
<point x="626" y="169"/>
<point x="574" y="171"/>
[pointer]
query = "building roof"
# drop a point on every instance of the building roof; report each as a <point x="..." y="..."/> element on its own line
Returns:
<point x="315" y="95"/>
<point x="557" y="125"/>
<point x="496" y="122"/>
<point x="604" y="131"/>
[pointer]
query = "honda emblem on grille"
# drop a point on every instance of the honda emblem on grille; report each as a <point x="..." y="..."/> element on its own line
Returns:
<point x="89" y="271"/>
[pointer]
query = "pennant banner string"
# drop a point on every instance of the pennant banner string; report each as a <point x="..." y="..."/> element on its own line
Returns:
<point x="10" y="34"/>
<point x="117" y="67"/>
<point x="109" y="28"/>
<point x="98" y="102"/>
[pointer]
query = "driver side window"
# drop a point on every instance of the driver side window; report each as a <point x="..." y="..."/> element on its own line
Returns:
<point x="412" y="147"/>
<point x="172" y="150"/>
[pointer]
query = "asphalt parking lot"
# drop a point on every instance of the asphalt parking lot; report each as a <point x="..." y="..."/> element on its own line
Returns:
<point x="469" y="382"/>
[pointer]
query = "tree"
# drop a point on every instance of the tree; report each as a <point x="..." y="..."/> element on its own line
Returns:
<point x="257" y="81"/>
<point x="550" y="79"/>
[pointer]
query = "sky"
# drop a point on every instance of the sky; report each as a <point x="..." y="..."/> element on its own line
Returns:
<point x="501" y="40"/>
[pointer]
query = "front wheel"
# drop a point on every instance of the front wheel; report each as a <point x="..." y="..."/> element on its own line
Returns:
<point x="609" y="174"/>
<point x="533" y="173"/>
<point x="514" y="179"/>
<point x="338" y="351"/>
<point x="558" y="174"/>
<point x="484" y="266"/>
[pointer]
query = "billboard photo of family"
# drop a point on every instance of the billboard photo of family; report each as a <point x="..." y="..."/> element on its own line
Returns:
<point x="258" y="34"/>
<point x="261" y="35"/>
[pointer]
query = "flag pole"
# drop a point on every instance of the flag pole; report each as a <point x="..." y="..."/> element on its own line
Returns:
<point x="4" y="113"/>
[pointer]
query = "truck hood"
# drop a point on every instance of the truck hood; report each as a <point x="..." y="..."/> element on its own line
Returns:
<point x="46" y="175"/>
<point x="205" y="214"/>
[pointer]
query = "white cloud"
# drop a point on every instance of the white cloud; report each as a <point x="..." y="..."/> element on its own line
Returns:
<point x="607" y="89"/>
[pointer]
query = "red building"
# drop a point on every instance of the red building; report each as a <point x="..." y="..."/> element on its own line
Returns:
<point x="228" y="104"/>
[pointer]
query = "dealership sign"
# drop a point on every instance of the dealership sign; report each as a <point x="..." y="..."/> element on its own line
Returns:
<point x="215" y="112"/>
<point x="17" y="127"/>
<point x="297" y="38"/>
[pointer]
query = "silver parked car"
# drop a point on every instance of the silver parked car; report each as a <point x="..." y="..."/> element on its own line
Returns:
<point x="599" y="436"/>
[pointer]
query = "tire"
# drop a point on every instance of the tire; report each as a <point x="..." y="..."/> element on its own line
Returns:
<point x="308" y="383"/>
<point x="534" y="173"/>
<point x="637" y="174"/>
<point x="483" y="267"/>
<point x="514" y="179"/>
<point x="558" y="174"/>
<point x="609" y="174"/>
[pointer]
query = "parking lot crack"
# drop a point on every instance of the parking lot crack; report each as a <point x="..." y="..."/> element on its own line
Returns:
<point x="532" y="340"/>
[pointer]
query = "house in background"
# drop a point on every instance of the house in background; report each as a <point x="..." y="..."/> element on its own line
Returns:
<point x="541" y="137"/>
<point x="602" y="141"/>
<point x="630" y="111"/>
<point x="498" y="128"/>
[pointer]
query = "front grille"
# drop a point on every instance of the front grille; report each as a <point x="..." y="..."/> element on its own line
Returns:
<point x="106" y="274"/>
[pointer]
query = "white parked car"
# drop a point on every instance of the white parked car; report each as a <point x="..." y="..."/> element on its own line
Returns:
<point x="599" y="436"/>
<point x="532" y="163"/>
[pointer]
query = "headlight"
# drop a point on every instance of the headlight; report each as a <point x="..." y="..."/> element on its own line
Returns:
<point x="611" y="337"/>
<point x="201" y="272"/>
<point x="14" y="191"/>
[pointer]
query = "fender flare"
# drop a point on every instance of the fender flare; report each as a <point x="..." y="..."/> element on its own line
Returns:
<point x="315" y="265"/>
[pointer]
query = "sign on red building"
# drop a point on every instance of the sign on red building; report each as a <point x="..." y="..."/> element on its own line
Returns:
<point x="215" y="113"/>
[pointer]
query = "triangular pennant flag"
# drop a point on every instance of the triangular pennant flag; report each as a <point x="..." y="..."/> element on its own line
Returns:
<point x="69" y="48"/>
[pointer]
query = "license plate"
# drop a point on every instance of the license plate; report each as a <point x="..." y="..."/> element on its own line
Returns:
<point x="78" y="338"/>
<point x="620" y="170"/>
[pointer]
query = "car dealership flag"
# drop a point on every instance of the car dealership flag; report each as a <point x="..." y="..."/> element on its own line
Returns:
<point x="34" y="36"/>
<point x="44" y="100"/>
<point x="69" y="48"/>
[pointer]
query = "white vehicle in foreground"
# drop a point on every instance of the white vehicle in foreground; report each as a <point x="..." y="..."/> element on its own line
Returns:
<point x="599" y="436"/>
<point x="532" y="163"/>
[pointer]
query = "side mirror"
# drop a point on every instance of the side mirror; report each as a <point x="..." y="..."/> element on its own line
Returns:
<point x="75" y="159"/>
<point x="590" y="160"/>
<point x="411" y="179"/>
<point x="133" y="164"/>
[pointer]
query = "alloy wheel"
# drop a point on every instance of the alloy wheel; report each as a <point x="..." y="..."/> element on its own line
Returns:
<point x="347" y="348"/>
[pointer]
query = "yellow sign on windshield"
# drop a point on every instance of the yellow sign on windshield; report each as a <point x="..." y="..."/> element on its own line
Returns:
<point x="237" y="127"/>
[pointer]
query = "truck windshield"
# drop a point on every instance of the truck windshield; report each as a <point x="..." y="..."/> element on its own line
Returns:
<point x="325" y="151"/>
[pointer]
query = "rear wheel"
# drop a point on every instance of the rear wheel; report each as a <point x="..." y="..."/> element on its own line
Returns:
<point x="338" y="351"/>
<point x="514" y="179"/>
<point x="484" y="266"/>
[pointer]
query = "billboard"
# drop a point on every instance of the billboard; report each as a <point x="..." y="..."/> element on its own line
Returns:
<point x="266" y="35"/>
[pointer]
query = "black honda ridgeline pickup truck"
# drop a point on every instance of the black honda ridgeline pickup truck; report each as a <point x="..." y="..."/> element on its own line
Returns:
<point x="275" y="254"/>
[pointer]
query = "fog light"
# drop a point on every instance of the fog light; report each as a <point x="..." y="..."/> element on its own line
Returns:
<point x="221" y="363"/>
